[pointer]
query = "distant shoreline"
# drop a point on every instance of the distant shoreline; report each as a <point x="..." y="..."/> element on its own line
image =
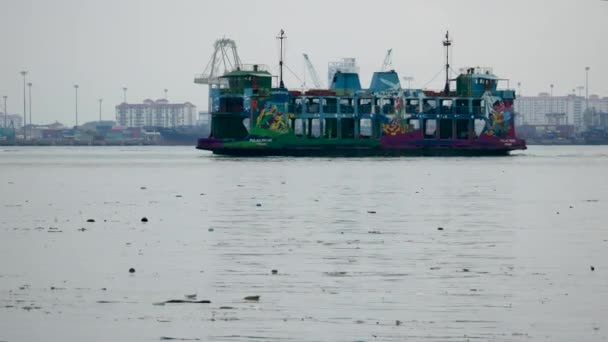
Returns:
<point x="96" y="144"/>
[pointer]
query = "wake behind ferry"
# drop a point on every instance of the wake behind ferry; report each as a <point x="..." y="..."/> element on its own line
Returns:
<point x="251" y="118"/>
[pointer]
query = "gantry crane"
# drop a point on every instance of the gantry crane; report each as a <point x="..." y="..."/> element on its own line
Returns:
<point x="388" y="61"/>
<point x="311" y="70"/>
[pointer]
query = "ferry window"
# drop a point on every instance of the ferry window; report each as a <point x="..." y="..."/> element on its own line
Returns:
<point x="313" y="106"/>
<point x="365" y="106"/>
<point x="462" y="129"/>
<point x="347" y="128"/>
<point x="477" y="107"/>
<point x="411" y="106"/>
<point x="387" y="106"/>
<point x="330" y="105"/>
<point x="346" y="106"/>
<point x="246" y="124"/>
<point x="331" y="128"/>
<point x="430" y="127"/>
<point x="298" y="128"/>
<point x="480" y="124"/>
<point x="462" y="106"/>
<point x="445" y="129"/>
<point x="316" y="128"/>
<point x="414" y="124"/>
<point x="365" y="127"/>
<point x="429" y="106"/>
<point x="446" y="106"/>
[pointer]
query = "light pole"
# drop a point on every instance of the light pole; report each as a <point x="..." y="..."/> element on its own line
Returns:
<point x="29" y="85"/>
<point x="100" y="101"/>
<point x="166" y="90"/>
<point x="551" y="99"/>
<point x="580" y="89"/>
<point x="519" y="88"/>
<point x="24" y="73"/>
<point x="76" y="103"/>
<point x="5" y="114"/>
<point x="124" y="94"/>
<point x="587" y="88"/>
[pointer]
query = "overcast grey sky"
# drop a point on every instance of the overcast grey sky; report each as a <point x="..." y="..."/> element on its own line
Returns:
<point x="149" y="45"/>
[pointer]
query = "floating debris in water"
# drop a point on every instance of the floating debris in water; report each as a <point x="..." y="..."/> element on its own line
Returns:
<point x="28" y="308"/>
<point x="210" y="229"/>
<point x="592" y="268"/>
<point x="131" y="270"/>
<point x="465" y="270"/>
<point x="90" y="220"/>
<point x="439" y="228"/>
<point x="374" y="232"/>
<point x="252" y="298"/>
<point x="397" y="322"/>
<point x="144" y="219"/>
<point x="166" y="338"/>
<point x="178" y="195"/>
<point x="371" y="211"/>
<point x="142" y="188"/>
<point x="183" y="301"/>
<point x="258" y="204"/>
<point x="274" y="271"/>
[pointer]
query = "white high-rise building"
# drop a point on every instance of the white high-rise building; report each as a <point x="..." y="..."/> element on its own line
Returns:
<point x="537" y="110"/>
<point x="159" y="113"/>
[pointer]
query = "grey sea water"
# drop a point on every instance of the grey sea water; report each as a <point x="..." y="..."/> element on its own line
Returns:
<point x="356" y="244"/>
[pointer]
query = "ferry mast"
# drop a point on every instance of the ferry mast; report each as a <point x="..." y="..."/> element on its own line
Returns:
<point x="447" y="43"/>
<point x="280" y="38"/>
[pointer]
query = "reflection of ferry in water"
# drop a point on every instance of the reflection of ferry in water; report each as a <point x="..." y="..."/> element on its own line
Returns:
<point x="254" y="119"/>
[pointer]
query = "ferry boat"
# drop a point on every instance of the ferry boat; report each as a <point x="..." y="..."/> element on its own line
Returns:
<point x="251" y="118"/>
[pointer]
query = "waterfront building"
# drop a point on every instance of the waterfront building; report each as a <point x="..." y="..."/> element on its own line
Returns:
<point x="159" y="113"/>
<point x="546" y="109"/>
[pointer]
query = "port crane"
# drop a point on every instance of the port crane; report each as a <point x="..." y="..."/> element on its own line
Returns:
<point x="388" y="61"/>
<point x="311" y="70"/>
<point x="225" y="58"/>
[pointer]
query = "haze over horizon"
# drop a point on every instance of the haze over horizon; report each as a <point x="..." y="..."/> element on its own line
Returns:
<point x="151" y="45"/>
